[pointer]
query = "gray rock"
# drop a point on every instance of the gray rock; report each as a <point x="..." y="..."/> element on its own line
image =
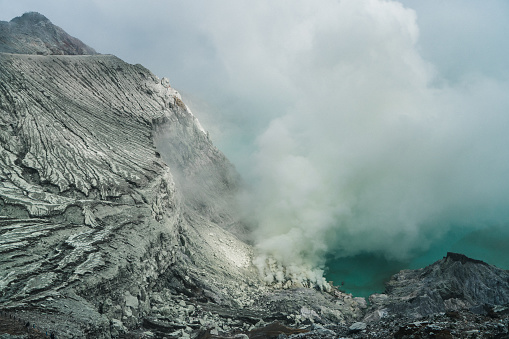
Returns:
<point x="93" y="219"/>
<point x="500" y="310"/>
<point x="454" y="283"/>
<point x="33" y="33"/>
<point x="357" y="327"/>
<point x="115" y="207"/>
<point x="130" y="301"/>
<point x="117" y="328"/>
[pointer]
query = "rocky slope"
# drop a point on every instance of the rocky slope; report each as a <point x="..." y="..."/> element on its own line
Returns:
<point x="455" y="283"/>
<point x="456" y="297"/>
<point x="116" y="210"/>
<point x="92" y="219"/>
<point x="33" y="33"/>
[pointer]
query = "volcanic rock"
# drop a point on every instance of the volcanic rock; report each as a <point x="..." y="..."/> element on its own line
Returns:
<point x="93" y="221"/>
<point x="33" y="33"/>
<point x="454" y="283"/>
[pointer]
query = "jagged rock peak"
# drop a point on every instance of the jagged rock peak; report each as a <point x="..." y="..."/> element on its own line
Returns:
<point x="454" y="283"/>
<point x="33" y="33"/>
<point x="462" y="258"/>
<point x="31" y="18"/>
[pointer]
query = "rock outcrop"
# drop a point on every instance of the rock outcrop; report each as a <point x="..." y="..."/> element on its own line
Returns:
<point x="455" y="283"/>
<point x="455" y="297"/>
<point x="33" y="33"/>
<point x="95" y="228"/>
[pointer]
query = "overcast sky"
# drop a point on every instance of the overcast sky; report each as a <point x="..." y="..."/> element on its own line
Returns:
<point x="364" y="125"/>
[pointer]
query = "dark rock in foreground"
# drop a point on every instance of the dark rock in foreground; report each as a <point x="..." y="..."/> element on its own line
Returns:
<point x="448" y="325"/>
<point x="455" y="283"/>
<point x="456" y="297"/>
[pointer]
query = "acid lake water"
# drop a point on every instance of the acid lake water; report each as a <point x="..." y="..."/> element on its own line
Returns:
<point x="367" y="273"/>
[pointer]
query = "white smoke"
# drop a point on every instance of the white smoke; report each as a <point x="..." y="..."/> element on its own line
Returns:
<point x="375" y="152"/>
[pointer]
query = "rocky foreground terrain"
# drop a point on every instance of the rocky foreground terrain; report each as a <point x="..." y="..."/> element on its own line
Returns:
<point x="118" y="219"/>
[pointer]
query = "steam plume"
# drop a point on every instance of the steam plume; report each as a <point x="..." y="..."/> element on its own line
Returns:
<point x="375" y="152"/>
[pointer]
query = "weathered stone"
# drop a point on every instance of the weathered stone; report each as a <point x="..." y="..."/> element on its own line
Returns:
<point x="454" y="283"/>
<point x="117" y="328"/>
<point x="357" y="327"/>
<point x="89" y="209"/>
<point x="33" y="33"/>
<point x="130" y="301"/>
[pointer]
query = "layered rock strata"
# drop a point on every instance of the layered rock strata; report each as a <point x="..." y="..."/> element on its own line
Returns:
<point x="455" y="297"/>
<point x="33" y="33"/>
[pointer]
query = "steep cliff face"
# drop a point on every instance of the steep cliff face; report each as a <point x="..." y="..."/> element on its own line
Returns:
<point x="92" y="219"/>
<point x="118" y="218"/>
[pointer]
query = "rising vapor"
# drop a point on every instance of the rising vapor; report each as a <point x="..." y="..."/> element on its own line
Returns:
<point x="376" y="152"/>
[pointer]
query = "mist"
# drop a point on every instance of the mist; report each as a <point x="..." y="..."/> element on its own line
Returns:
<point x="361" y="127"/>
<point x="376" y="151"/>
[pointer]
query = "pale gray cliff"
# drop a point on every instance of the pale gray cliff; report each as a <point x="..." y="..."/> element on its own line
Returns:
<point x="91" y="216"/>
<point x="116" y="210"/>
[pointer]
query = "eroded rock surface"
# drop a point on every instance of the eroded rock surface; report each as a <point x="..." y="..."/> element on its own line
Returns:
<point x="455" y="283"/>
<point x="456" y="297"/>
<point x="92" y="221"/>
<point x="33" y="33"/>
